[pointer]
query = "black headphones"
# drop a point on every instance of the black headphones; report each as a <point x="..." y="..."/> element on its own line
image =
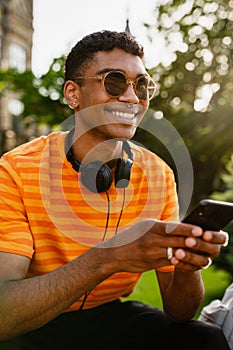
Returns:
<point x="97" y="176"/>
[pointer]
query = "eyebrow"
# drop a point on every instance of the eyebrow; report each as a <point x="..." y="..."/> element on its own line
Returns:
<point x="106" y="70"/>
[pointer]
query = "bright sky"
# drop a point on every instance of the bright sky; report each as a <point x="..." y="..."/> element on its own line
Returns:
<point x="59" y="24"/>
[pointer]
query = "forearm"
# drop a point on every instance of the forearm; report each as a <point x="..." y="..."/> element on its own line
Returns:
<point x="30" y="303"/>
<point x="184" y="295"/>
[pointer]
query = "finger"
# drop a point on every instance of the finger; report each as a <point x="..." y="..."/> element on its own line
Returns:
<point x="176" y="228"/>
<point x="197" y="260"/>
<point x="198" y="245"/>
<point x="225" y="244"/>
<point x="171" y="241"/>
<point x="181" y="265"/>
<point x="219" y="237"/>
<point x="208" y="264"/>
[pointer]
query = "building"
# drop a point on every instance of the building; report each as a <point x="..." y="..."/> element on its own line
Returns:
<point x="16" y="31"/>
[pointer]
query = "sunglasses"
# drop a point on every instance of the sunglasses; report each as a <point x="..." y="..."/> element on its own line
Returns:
<point x="115" y="84"/>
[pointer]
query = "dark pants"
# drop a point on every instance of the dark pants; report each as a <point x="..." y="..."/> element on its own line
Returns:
<point x="120" y="325"/>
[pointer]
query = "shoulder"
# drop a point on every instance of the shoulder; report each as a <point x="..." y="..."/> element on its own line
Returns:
<point x="32" y="148"/>
<point x="148" y="158"/>
<point x="30" y="154"/>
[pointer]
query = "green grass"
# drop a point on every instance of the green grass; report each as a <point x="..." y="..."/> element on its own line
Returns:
<point x="147" y="291"/>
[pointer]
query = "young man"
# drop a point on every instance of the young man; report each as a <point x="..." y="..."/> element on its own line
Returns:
<point x="84" y="213"/>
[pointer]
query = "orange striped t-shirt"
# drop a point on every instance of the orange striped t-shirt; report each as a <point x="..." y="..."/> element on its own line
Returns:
<point x="48" y="215"/>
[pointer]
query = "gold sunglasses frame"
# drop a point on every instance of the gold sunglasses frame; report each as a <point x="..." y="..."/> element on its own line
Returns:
<point x="134" y="82"/>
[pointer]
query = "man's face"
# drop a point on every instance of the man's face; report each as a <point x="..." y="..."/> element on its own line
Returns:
<point x="112" y="117"/>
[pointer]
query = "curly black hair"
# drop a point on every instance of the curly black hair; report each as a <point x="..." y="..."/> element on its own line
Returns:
<point x="85" y="50"/>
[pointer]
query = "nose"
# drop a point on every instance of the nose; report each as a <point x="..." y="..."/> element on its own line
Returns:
<point x="129" y="94"/>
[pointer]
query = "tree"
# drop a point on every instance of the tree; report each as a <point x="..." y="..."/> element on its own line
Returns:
<point x="42" y="97"/>
<point x="196" y="87"/>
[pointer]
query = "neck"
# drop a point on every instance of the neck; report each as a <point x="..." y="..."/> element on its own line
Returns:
<point x="86" y="150"/>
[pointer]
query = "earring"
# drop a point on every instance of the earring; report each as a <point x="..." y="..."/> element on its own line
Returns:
<point x="72" y="104"/>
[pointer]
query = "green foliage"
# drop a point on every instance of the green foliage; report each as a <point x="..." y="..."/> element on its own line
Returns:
<point x="42" y="97"/>
<point x="225" y="258"/>
<point x="195" y="88"/>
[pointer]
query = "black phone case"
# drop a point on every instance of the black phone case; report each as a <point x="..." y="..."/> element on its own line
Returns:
<point x="211" y="215"/>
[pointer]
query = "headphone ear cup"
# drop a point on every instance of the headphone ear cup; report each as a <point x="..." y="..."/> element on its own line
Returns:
<point x="122" y="172"/>
<point x="96" y="176"/>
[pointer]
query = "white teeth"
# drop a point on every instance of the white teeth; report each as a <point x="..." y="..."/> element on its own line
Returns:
<point x="123" y="115"/>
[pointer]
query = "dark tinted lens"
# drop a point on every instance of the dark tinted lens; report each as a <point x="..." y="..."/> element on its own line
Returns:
<point x="145" y="88"/>
<point x="152" y="88"/>
<point x="141" y="88"/>
<point x="115" y="83"/>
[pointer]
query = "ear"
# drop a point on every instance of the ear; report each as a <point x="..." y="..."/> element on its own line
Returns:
<point x="71" y="94"/>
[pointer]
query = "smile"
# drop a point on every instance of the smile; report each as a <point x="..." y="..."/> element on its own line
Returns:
<point x="124" y="112"/>
<point x="123" y="115"/>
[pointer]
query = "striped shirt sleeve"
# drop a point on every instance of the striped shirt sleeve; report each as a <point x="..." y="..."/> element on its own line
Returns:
<point x="15" y="235"/>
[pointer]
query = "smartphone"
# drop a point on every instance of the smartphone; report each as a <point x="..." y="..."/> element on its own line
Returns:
<point x="211" y="215"/>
